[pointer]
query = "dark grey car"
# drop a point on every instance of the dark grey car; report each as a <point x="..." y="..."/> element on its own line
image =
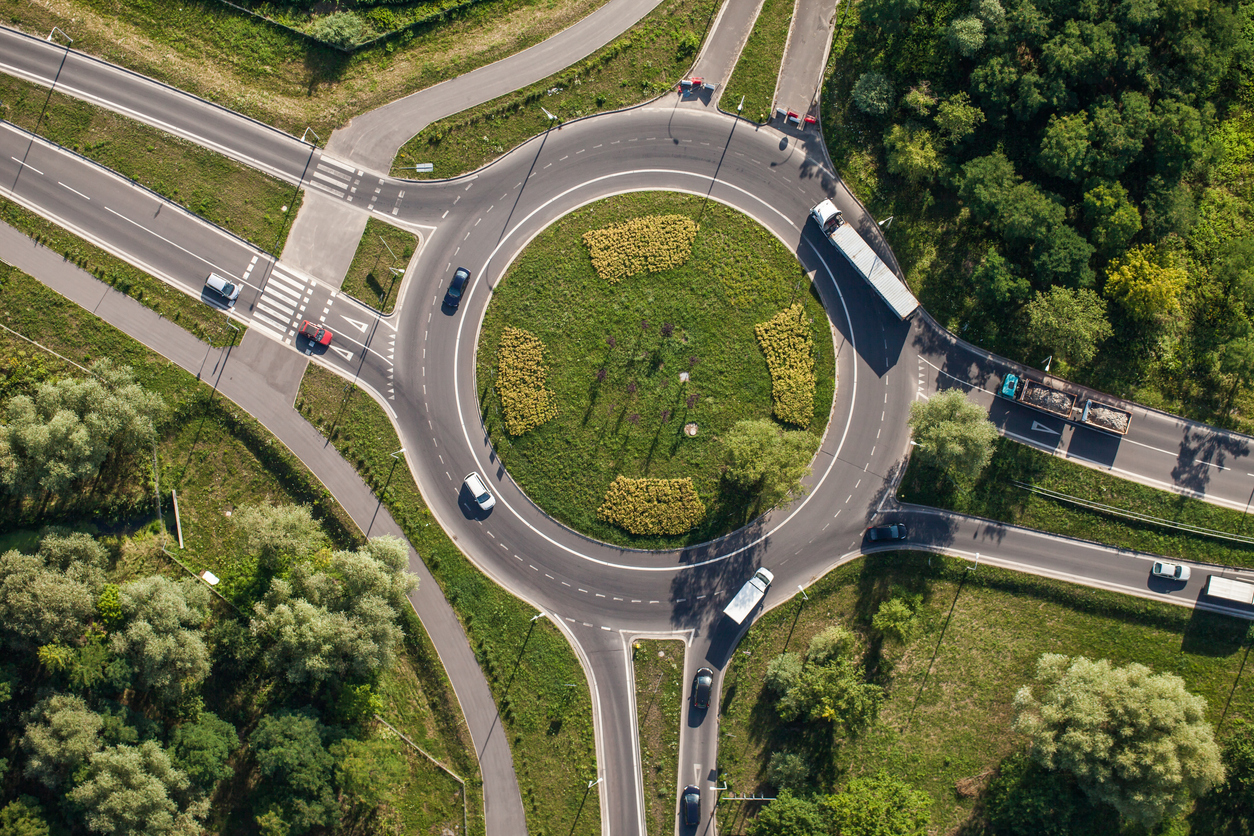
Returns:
<point x="453" y="296"/>
<point x="896" y="531"/>
<point x="701" y="685"/>
<point x="691" y="802"/>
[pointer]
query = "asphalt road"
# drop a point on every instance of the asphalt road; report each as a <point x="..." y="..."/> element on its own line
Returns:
<point x="602" y="595"/>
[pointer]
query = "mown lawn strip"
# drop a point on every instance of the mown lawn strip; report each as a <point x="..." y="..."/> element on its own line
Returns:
<point x="757" y="69"/>
<point x="382" y="249"/>
<point x="659" y="666"/>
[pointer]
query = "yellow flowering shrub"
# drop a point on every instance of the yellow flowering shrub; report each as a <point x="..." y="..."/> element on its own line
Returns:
<point x="788" y="344"/>
<point x="649" y="244"/>
<point x="520" y="381"/>
<point x="652" y="506"/>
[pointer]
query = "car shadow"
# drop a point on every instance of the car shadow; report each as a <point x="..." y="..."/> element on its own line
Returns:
<point x="214" y="300"/>
<point x="470" y="509"/>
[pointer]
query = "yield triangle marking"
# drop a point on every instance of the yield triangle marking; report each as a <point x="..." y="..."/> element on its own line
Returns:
<point x="1037" y="426"/>
<point x="343" y="352"/>
<point x="360" y="326"/>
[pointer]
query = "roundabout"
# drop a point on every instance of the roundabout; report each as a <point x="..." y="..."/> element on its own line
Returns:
<point x="629" y="365"/>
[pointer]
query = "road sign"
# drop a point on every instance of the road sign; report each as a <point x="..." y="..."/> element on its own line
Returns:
<point x="421" y="167"/>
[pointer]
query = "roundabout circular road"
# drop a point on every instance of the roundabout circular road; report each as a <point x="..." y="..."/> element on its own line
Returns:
<point x="602" y="595"/>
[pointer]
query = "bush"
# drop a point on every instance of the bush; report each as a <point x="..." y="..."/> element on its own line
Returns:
<point x="342" y="29"/>
<point x="521" y="379"/>
<point x="894" y="620"/>
<point x="873" y="94"/>
<point x="789" y="348"/>
<point x="652" y="506"/>
<point x="650" y="244"/>
<point x="787" y="770"/>
<point x="782" y="673"/>
<point x="829" y="645"/>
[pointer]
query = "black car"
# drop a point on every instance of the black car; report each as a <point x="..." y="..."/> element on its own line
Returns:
<point x="896" y="531"/>
<point x="701" y="684"/>
<point x="453" y="296"/>
<point x="691" y="802"/>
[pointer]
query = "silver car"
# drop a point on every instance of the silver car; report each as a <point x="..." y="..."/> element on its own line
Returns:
<point x="1171" y="571"/>
<point x="483" y="498"/>
<point x="225" y="288"/>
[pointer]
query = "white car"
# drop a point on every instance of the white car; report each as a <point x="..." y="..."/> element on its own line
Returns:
<point x="1172" y="571"/>
<point x="227" y="289"/>
<point x="483" y="498"/>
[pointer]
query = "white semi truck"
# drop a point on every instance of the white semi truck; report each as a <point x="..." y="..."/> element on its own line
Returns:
<point x="749" y="596"/>
<point x="1230" y="590"/>
<point x="871" y="267"/>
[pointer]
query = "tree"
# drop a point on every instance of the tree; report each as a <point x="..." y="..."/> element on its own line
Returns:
<point x="337" y="623"/>
<point x="1066" y="146"/>
<point x="1069" y="323"/>
<point x="788" y="815"/>
<point x="953" y="434"/>
<point x="787" y="770"/>
<point x="61" y="733"/>
<point x="919" y="100"/>
<point x="894" y="620"/>
<point x="768" y="460"/>
<point x="879" y="806"/>
<point x="1118" y="130"/>
<point x="1146" y="286"/>
<point x="986" y="184"/>
<point x="366" y="771"/>
<point x="66" y="431"/>
<point x="966" y="35"/>
<point x="956" y="118"/>
<point x="830" y="644"/>
<point x="201" y="749"/>
<point x="279" y="534"/>
<point x="130" y="790"/>
<point x="912" y="153"/>
<point x="23" y="817"/>
<point x="832" y="693"/>
<point x="1133" y="739"/>
<point x="290" y="751"/>
<point x="890" y="15"/>
<point x="1112" y="217"/>
<point x="1179" y="137"/>
<point x="1026" y="799"/>
<point x="49" y="597"/>
<point x="997" y="285"/>
<point x="1229" y="808"/>
<point x="873" y="94"/>
<point x="782" y="673"/>
<point x="163" y="639"/>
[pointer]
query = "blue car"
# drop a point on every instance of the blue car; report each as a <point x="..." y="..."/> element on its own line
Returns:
<point x="453" y="296"/>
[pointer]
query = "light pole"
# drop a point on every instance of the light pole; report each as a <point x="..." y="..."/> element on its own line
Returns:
<point x="592" y="784"/>
<point x="307" y="132"/>
<point x="538" y="615"/>
<point x="54" y="31"/>
<point x="803" y="592"/>
<point x="1048" y="360"/>
<point x="395" y="456"/>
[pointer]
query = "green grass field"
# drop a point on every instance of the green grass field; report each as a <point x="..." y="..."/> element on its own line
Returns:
<point x="645" y="61"/>
<point x="242" y="200"/>
<point x="370" y="279"/>
<point x="996" y="497"/>
<point x="946" y="718"/>
<point x="631" y="422"/>
<point x="526" y="662"/>
<point x="660" y="706"/>
<point x="757" y="69"/>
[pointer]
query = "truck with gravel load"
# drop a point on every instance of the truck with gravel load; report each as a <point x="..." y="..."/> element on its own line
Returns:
<point x="1101" y="416"/>
<point x="869" y="265"/>
<point x="1035" y="394"/>
<point x="749" y="596"/>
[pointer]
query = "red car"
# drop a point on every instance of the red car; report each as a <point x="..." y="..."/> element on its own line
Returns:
<point x="315" y="333"/>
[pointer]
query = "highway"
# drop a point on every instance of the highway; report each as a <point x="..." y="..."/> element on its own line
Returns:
<point x="419" y="362"/>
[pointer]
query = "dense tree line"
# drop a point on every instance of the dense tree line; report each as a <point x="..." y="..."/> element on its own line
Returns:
<point x="1080" y="145"/>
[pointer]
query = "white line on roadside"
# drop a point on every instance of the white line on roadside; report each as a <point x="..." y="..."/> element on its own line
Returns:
<point x="71" y="188"/>
<point x="26" y="165"/>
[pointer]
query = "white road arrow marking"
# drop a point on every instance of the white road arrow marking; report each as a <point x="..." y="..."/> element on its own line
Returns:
<point x="1037" y="426"/>
<point x="346" y="354"/>
<point x="360" y="326"/>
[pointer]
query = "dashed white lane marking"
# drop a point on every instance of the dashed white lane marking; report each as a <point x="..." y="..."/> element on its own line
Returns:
<point x="71" y="188"/>
<point x="27" y="165"/>
<point x="599" y="595"/>
<point x="606" y="629"/>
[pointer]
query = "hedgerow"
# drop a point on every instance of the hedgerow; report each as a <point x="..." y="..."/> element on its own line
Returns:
<point x="520" y="381"/>
<point x="788" y="344"/>
<point x="652" y="506"/>
<point x="652" y="243"/>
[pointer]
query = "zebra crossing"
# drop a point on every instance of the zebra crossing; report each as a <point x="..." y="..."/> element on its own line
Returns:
<point x="282" y="305"/>
<point x="345" y="182"/>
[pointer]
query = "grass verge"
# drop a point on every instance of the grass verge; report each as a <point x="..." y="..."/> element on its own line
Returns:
<point x="757" y="69"/>
<point x="230" y="57"/>
<point x="996" y="497"/>
<point x="369" y="279"/>
<point x="659" y="668"/>
<point x="218" y="459"/>
<point x="202" y="321"/>
<point x="526" y="662"/>
<point x="630" y="420"/>
<point x="645" y="61"/>
<point x="950" y="688"/>
<point x="242" y="200"/>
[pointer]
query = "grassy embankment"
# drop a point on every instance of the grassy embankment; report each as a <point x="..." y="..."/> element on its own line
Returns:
<point x="369" y="278"/>
<point x="631" y="421"/>
<point x="645" y="61"/>
<point x="229" y="57"/>
<point x="757" y="70"/>
<point x="218" y="459"/>
<point x="242" y="200"/>
<point x="660" y="704"/>
<point x="526" y="662"/>
<point x="996" y="497"/>
<point x="945" y="723"/>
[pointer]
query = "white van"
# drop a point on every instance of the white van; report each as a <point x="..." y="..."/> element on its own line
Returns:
<point x="225" y="288"/>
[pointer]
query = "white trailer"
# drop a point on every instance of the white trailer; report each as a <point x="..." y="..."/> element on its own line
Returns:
<point x="871" y="267"/>
<point x="1230" y="590"/>
<point x="749" y="596"/>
